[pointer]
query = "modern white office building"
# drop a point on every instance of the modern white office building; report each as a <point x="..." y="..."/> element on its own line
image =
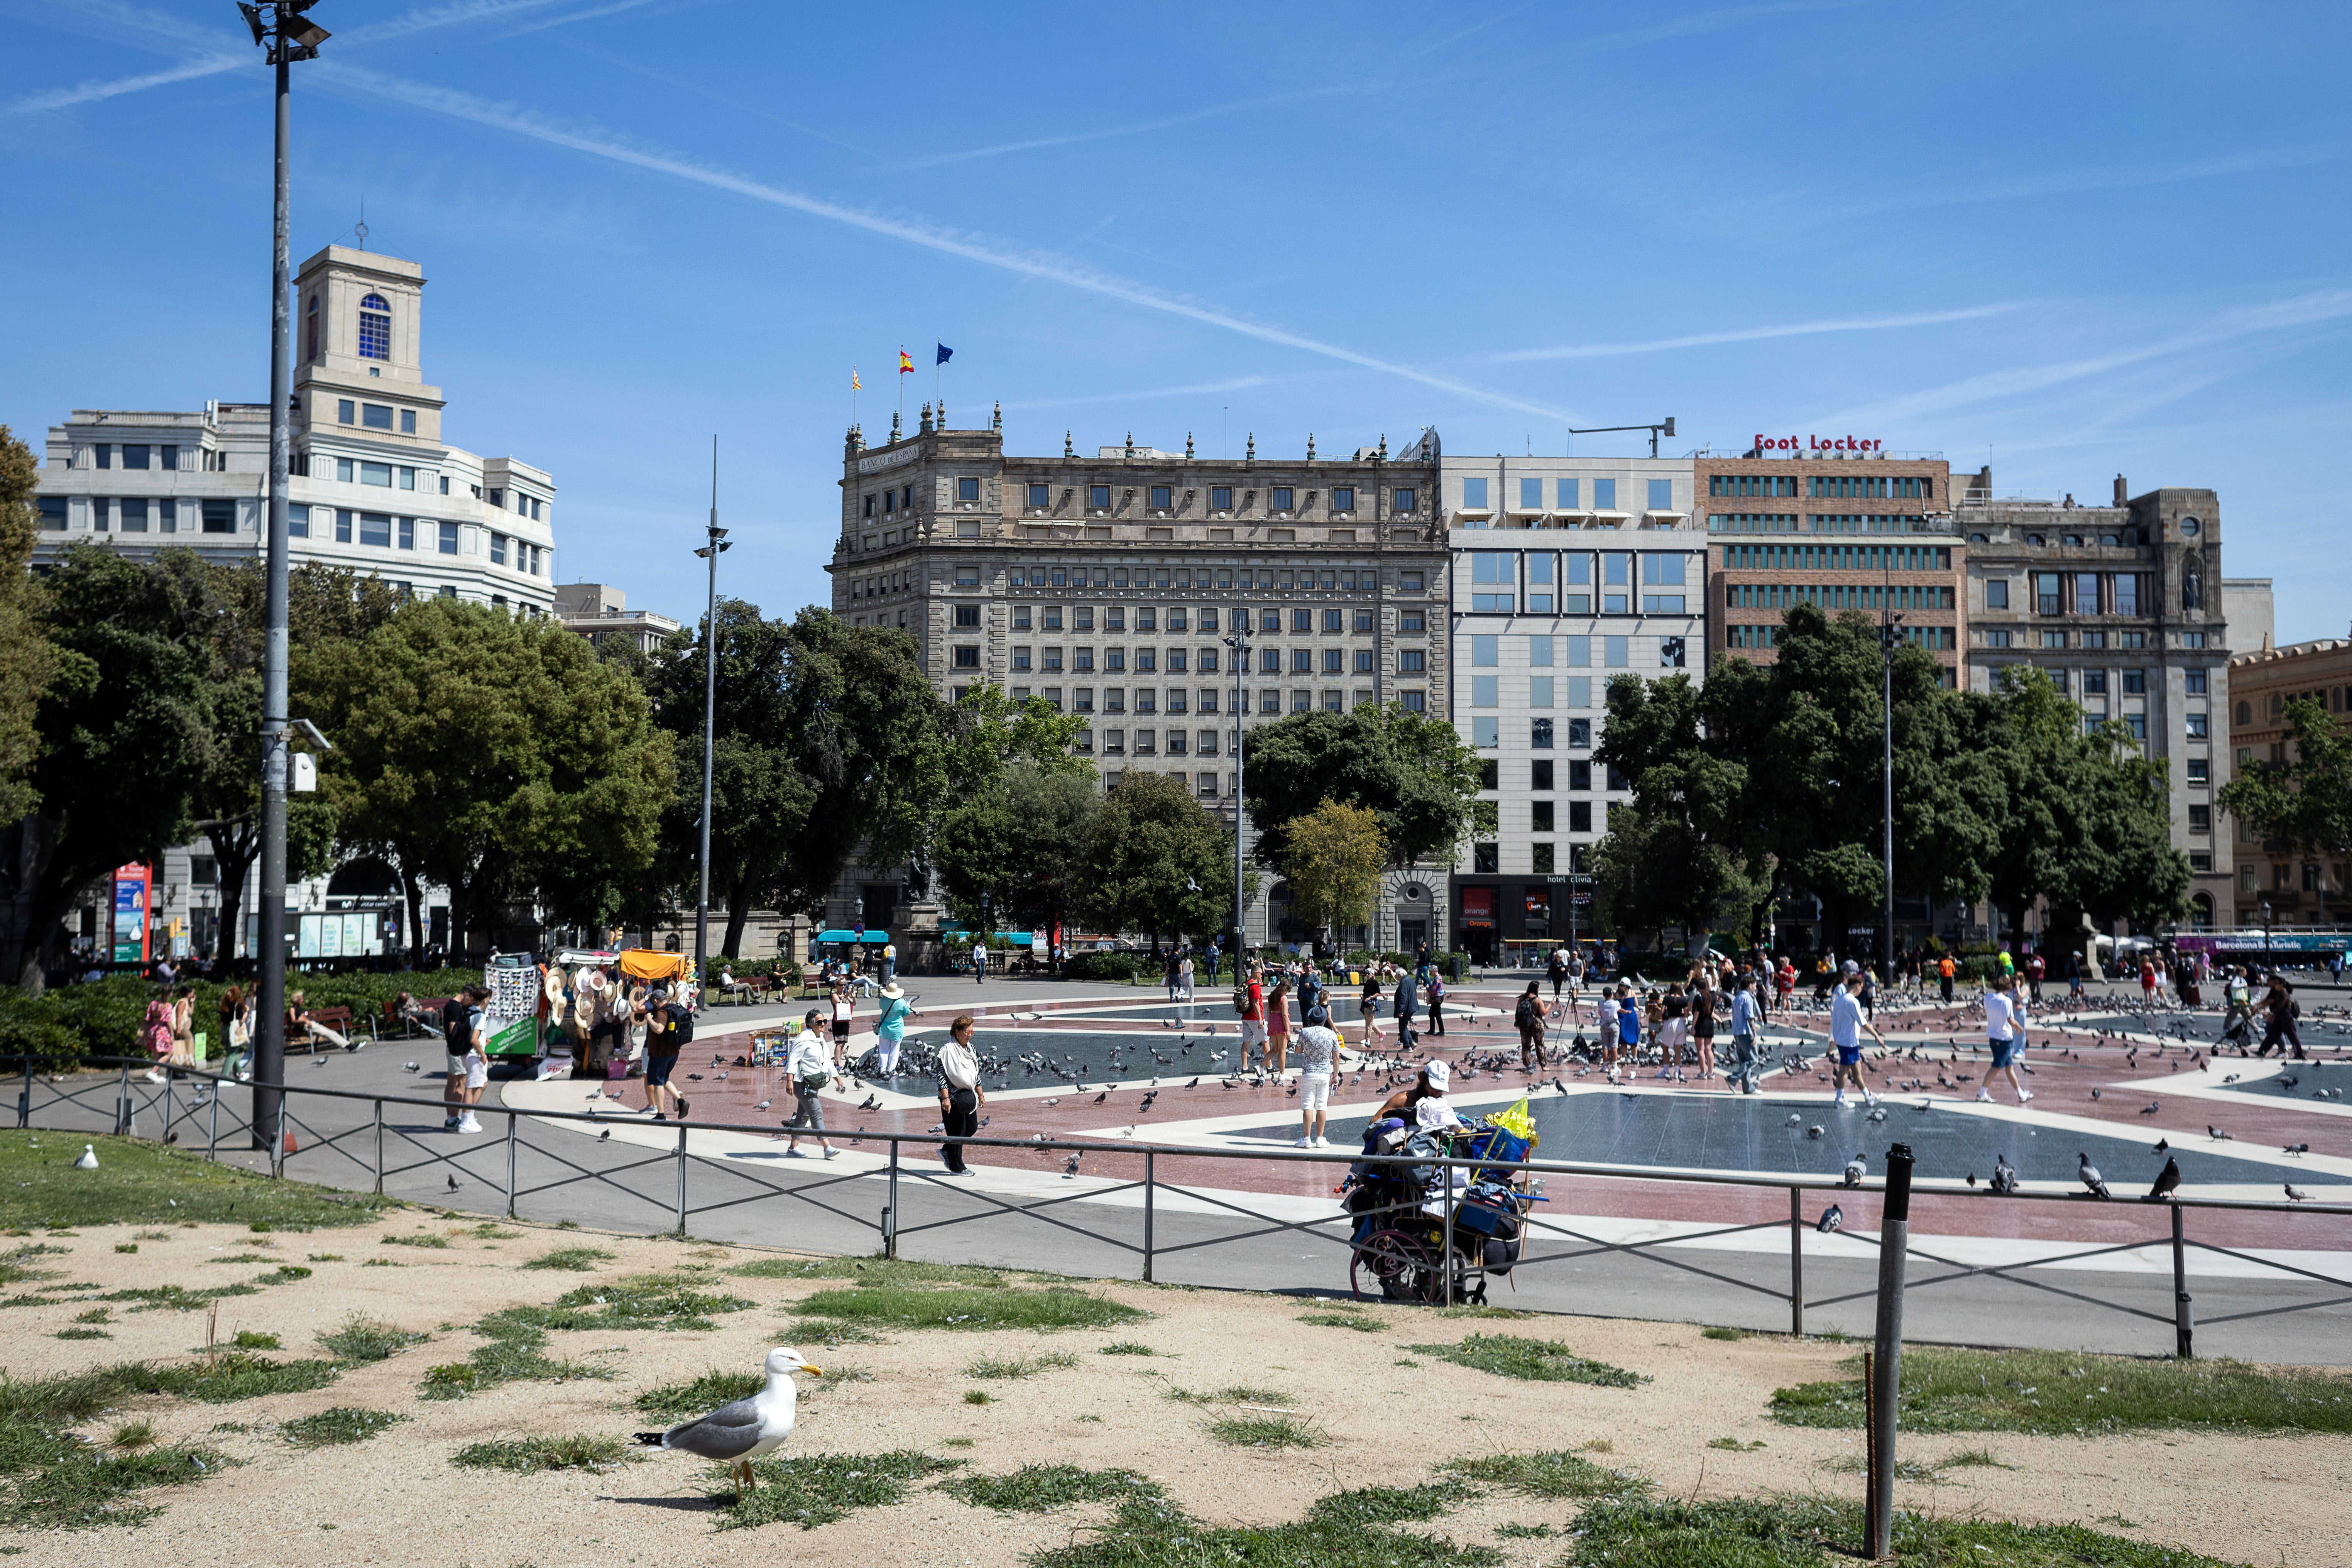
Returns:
<point x="1564" y="572"/>
<point x="374" y="486"/>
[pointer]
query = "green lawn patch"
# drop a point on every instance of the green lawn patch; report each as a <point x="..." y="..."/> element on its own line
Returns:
<point x="1814" y="1533"/>
<point x="868" y="1271"/>
<point x="365" y="1339"/>
<point x="145" y="1184"/>
<point x="1719" y="1332"/>
<point x="1539" y="1361"/>
<point x="1366" y="1506"/>
<point x="50" y="1479"/>
<point x="640" y="1301"/>
<point x="1150" y="1533"/>
<point x="2055" y="1392"/>
<point x="82" y="1335"/>
<point x="422" y="1238"/>
<point x="1557" y="1474"/>
<point x="344" y="1423"/>
<point x="1356" y="1320"/>
<point x="1254" y="1431"/>
<point x="1033" y="1488"/>
<point x="954" y="1307"/>
<point x="1020" y="1366"/>
<point x="527" y="1456"/>
<point x="677" y="1401"/>
<point x="1127" y="1347"/>
<point x="571" y="1259"/>
<point x="818" y="1488"/>
<point x="230" y="1376"/>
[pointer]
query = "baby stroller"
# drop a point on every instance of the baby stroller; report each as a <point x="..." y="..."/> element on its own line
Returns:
<point x="1401" y="1251"/>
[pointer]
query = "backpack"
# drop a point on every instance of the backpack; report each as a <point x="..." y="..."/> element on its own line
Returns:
<point x="1240" y="1000"/>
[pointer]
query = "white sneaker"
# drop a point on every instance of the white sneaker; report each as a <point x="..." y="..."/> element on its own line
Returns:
<point x="154" y="1076"/>
<point x="1302" y="1143"/>
<point x="1322" y="1143"/>
<point x="832" y="1154"/>
<point x="469" y="1125"/>
<point x="2022" y="1096"/>
<point x="1985" y="1095"/>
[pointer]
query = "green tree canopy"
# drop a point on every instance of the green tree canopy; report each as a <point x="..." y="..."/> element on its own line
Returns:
<point x="497" y="757"/>
<point x="1012" y="855"/>
<point x="24" y="646"/>
<point x="1156" y="862"/>
<point x="1411" y="771"/>
<point x="1332" y="857"/>
<point x="2304" y="803"/>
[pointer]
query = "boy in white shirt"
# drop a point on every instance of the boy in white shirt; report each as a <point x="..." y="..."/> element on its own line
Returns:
<point x="2004" y="1033"/>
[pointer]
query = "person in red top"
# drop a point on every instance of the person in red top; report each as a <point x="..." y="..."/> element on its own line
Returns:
<point x="1784" y="979"/>
<point x="2035" y="968"/>
<point x="2147" y="982"/>
<point x="1253" y="1019"/>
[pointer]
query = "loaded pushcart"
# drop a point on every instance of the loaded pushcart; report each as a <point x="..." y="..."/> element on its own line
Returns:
<point x="1433" y="1233"/>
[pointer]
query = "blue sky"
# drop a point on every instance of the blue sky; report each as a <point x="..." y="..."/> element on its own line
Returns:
<point x="2072" y="241"/>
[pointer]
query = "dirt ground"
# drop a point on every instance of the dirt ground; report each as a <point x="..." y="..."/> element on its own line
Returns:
<point x="395" y="1499"/>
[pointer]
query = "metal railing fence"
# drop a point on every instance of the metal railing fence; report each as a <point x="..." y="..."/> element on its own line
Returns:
<point x="375" y="1151"/>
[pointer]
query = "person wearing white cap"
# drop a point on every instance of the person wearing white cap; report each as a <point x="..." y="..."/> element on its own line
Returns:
<point x="1431" y="1111"/>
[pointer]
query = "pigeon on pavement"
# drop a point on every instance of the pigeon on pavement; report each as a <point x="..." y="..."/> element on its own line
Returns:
<point x="2295" y="1195"/>
<point x="2167" y="1180"/>
<point x="1831" y="1218"/>
<point x="1856" y="1170"/>
<point x="2004" y="1175"/>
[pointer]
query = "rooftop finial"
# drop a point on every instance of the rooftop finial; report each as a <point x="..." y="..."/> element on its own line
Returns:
<point x="941" y="422"/>
<point x="1067" y="449"/>
<point x="1188" y="443"/>
<point x="1130" y="442"/>
<point x="1310" y="445"/>
<point x="1250" y="455"/>
<point x="925" y="427"/>
<point x="894" y="427"/>
<point x="1384" y="446"/>
<point x="996" y="420"/>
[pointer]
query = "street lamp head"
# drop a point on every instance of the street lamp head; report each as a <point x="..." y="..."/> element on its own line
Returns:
<point x="253" y="20"/>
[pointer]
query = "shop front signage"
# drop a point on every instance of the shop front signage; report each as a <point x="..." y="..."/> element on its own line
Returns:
<point x="1818" y="443"/>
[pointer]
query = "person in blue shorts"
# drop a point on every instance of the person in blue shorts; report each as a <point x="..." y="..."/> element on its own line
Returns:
<point x="1846" y="1025"/>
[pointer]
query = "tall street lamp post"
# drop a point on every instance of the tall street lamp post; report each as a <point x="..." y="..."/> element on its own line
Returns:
<point x="278" y="26"/>
<point x="710" y="551"/>
<point x="1890" y="639"/>
<point x="1238" y="654"/>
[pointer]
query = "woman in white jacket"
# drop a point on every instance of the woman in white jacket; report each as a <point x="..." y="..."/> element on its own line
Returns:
<point x="810" y="1067"/>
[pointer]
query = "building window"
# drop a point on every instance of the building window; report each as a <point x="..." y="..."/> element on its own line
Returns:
<point x="346" y="411"/>
<point x="375" y="327"/>
<point x="1473" y="494"/>
<point x="1410" y="661"/>
<point x="310" y="330"/>
<point x="1662" y="494"/>
<point x="1996" y="639"/>
<point x="1278" y="499"/>
<point x="1486" y="859"/>
<point x="967" y="487"/>
<point x="2094" y="683"/>
<point x="1164" y="498"/>
<point x="1996" y="593"/>
<point x="1040" y="496"/>
<point x="220" y="516"/>
<point x="966" y="615"/>
<point x="1099" y="497"/>
<point x="1540" y="734"/>
<point x="1530" y="495"/>
<point x="409" y="538"/>
<point x="2126" y="594"/>
<point x="53" y="514"/>
<point x="1404" y="499"/>
<point x="1485" y="691"/>
<point x="375" y="529"/>
<point x="2201" y="819"/>
<point x="2046" y="600"/>
<point x="1580" y="734"/>
<point x="376" y="415"/>
<point x="967" y="657"/>
<point x="1618" y="652"/>
<point x="1220" y="497"/>
<point x="408" y="421"/>
<point x="2201" y="771"/>
<point x="1415" y="702"/>
<point x="1343" y="497"/>
<point x="377" y="474"/>
<point x="449" y="539"/>
<point x="2193" y="682"/>
<point x="2196" y="727"/>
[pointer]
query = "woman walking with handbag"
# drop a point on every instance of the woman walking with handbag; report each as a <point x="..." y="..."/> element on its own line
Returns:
<point x="960" y="1096"/>
<point x="811" y="1068"/>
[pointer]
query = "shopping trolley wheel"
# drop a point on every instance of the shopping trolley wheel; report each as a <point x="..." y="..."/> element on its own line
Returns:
<point x="1390" y="1265"/>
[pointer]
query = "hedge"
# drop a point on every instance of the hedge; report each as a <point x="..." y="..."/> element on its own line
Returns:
<point x="1113" y="966"/>
<point x="103" y="1017"/>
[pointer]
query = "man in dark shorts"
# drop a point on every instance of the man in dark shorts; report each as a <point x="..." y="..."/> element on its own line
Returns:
<point x="1529" y="1018"/>
<point x="670" y="1029"/>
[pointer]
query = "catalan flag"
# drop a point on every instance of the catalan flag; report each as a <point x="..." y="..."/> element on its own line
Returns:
<point x="855" y="385"/>
<point x="906" y="363"/>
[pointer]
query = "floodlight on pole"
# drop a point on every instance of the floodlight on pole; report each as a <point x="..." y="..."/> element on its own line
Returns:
<point x="277" y="26"/>
<point x="710" y="553"/>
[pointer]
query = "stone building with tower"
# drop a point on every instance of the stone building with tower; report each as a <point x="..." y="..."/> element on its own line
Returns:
<point x="2121" y="606"/>
<point x="1105" y="584"/>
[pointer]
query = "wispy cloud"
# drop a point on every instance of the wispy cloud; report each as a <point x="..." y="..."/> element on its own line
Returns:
<point x="2317" y="309"/>
<point x="96" y="91"/>
<point x="986" y="252"/>
<point x="1755" y="334"/>
<point x="1107" y="133"/>
<point x="1708" y="21"/>
<point x="2119" y="177"/>
<point x="1200" y="389"/>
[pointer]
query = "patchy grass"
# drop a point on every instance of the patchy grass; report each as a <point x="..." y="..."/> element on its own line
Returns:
<point x="1972" y="1458"/>
<point x="365" y="1339"/>
<point x="140" y="1183"/>
<point x="883" y="1271"/>
<point x="422" y="1238"/>
<point x="1815" y="1533"/>
<point x="1150" y="1533"/>
<point x="571" y="1259"/>
<point x="490" y="1230"/>
<point x="1265" y="1432"/>
<point x="1366" y="1506"/>
<point x="255" y="1340"/>
<point x="230" y="1376"/>
<point x="1127" y="1347"/>
<point x="516" y="1351"/>
<point x="342" y="1424"/>
<point x="1020" y="1366"/>
<point x="82" y="1335"/>
<point x="1237" y="1394"/>
<point x="1523" y="1532"/>
<point x="50" y="1479"/>
<point x="1539" y="1361"/>
<point x="1033" y="1488"/>
<point x="699" y="1396"/>
<point x="1356" y="1320"/>
<point x="1733" y="1444"/>
<point x="1557" y="1474"/>
<point x="639" y="1302"/>
<point x="2053" y="1392"/>
<point x="976" y="1396"/>
<point x="955" y="1306"/>
<point x="818" y="1488"/>
<point x="1720" y="1332"/>
<point x="528" y="1455"/>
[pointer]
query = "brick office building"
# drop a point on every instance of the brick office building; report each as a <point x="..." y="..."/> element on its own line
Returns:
<point x="1806" y="520"/>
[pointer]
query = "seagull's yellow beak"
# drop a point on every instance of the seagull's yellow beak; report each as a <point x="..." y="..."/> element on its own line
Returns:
<point x="811" y="1371"/>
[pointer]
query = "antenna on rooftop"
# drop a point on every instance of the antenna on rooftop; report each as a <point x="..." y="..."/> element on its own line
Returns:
<point x="359" y="229"/>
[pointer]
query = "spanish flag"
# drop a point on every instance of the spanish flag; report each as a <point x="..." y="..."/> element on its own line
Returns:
<point x="906" y="363"/>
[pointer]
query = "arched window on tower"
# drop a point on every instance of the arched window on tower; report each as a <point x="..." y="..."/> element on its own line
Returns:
<point x="375" y="327"/>
<point x="310" y="333"/>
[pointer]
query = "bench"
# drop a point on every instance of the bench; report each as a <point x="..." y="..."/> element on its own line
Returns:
<point x="336" y="1018"/>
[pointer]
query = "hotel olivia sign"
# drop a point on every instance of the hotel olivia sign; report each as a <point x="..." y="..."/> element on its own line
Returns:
<point x="1818" y="443"/>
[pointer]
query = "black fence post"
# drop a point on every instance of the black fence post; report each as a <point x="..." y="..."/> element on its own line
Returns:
<point x="1887" y="1359"/>
<point x="1797" y="1261"/>
<point x="2184" y="1312"/>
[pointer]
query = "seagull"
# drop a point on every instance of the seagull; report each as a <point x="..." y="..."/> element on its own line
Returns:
<point x="89" y="1160"/>
<point x="1831" y="1218"/>
<point x="2090" y="1175"/>
<point x="2166" y="1181"/>
<point x="746" y="1428"/>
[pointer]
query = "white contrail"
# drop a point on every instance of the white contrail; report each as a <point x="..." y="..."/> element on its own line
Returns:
<point x="1041" y="265"/>
<point x="1753" y="335"/>
<point x="93" y="92"/>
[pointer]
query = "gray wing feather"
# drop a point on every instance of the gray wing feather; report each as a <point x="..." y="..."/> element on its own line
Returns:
<point x="727" y="1433"/>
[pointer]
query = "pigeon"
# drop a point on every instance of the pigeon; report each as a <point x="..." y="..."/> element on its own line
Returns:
<point x="2091" y="1178"/>
<point x="318" y="1061"/>
<point x="412" y="1067"/>
<point x="2295" y="1195"/>
<point x="764" y="1105"/>
<point x="1070" y="1168"/>
<point x="1972" y="1178"/>
<point x="872" y="1102"/>
<point x="1854" y="1171"/>
<point x="89" y="1160"/>
<point x="1814" y="1131"/>
<point x="1831" y="1218"/>
<point x="1103" y="1096"/>
<point x="2166" y="1181"/>
<point x="607" y="1132"/>
<point x="2162" y="1144"/>
<point x="453" y="1183"/>
<point x="2004" y="1175"/>
<point x="2094" y="1094"/>
<point x="1049" y="1103"/>
<point x="1196" y="1083"/>
<point x="1794" y="1118"/>
<point x="2151" y="1108"/>
<point x="2297" y="1149"/>
<point x="2216" y="1133"/>
<point x="1877" y="1113"/>
<point x="741" y="1431"/>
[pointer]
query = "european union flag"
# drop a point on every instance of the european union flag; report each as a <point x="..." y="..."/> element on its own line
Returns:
<point x="946" y="354"/>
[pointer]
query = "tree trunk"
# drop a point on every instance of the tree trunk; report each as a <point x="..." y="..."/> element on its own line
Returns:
<point x="44" y="891"/>
<point x="739" y="908"/>
<point x="236" y="844"/>
<point x="413" y="895"/>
